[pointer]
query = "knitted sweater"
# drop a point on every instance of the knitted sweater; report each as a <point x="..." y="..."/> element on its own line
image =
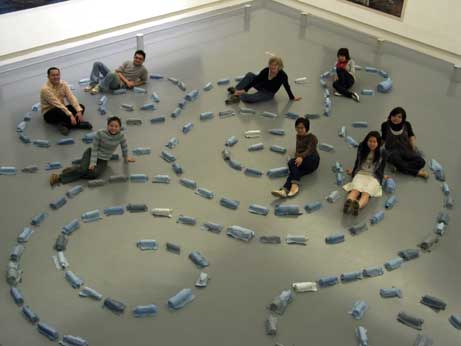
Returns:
<point x="104" y="145"/>
<point x="306" y="145"/>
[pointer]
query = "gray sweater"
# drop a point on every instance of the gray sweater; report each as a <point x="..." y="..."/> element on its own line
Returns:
<point x="350" y="67"/>
<point x="104" y="145"/>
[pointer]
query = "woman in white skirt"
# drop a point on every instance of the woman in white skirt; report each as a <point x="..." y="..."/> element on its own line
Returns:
<point x="367" y="175"/>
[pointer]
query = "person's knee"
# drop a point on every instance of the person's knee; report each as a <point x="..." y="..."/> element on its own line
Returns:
<point x="47" y="118"/>
<point x="248" y="98"/>
<point x="292" y="164"/>
<point x="111" y="75"/>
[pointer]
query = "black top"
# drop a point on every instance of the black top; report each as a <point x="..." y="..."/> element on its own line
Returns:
<point x="378" y="167"/>
<point x="397" y="138"/>
<point x="385" y="128"/>
<point x="262" y="82"/>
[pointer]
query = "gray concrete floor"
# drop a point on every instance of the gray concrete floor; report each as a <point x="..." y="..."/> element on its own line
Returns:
<point x="245" y="277"/>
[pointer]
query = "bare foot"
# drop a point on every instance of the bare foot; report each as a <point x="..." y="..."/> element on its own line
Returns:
<point x="423" y="174"/>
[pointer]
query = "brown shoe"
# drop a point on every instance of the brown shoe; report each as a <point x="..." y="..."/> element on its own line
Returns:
<point x="54" y="179"/>
<point x="347" y="206"/>
<point x="232" y="99"/>
<point x="355" y="208"/>
<point x="63" y="129"/>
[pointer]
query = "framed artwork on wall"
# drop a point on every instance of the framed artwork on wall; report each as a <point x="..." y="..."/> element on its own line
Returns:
<point x="7" y="6"/>
<point x="393" y="8"/>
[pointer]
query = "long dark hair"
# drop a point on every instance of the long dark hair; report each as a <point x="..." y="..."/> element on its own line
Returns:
<point x="364" y="150"/>
<point x="398" y="110"/>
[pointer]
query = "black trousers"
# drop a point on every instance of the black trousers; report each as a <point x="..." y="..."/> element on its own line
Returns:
<point x="81" y="171"/>
<point x="260" y="95"/>
<point x="309" y="165"/>
<point x="58" y="117"/>
<point x="406" y="162"/>
<point x="344" y="83"/>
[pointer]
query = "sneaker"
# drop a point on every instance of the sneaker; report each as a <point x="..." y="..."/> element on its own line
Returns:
<point x="54" y="179"/>
<point x="292" y="192"/>
<point x="347" y="206"/>
<point x="232" y="99"/>
<point x="64" y="130"/>
<point x="355" y="207"/>
<point x="95" y="90"/>
<point x="337" y="94"/>
<point x="231" y="90"/>
<point x="84" y="125"/>
<point x="279" y="193"/>
<point x="355" y="97"/>
<point x="88" y="88"/>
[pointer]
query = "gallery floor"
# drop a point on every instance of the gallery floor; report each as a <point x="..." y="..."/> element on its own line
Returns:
<point x="245" y="277"/>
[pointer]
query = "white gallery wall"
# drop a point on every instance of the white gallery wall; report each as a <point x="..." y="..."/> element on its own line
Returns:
<point x="434" y="23"/>
<point x="41" y="26"/>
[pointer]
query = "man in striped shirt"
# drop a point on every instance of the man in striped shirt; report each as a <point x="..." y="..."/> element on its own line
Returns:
<point x="129" y="75"/>
<point x="53" y="106"/>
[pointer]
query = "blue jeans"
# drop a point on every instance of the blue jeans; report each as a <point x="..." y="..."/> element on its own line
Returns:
<point x="309" y="165"/>
<point x="246" y="83"/>
<point x="102" y="75"/>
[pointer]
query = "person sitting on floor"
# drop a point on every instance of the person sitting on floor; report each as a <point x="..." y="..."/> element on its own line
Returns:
<point x="345" y="75"/>
<point x="267" y="83"/>
<point x="94" y="160"/>
<point x="400" y="144"/>
<point x="129" y="75"/>
<point x="52" y="102"/>
<point x="305" y="162"/>
<point x="367" y="174"/>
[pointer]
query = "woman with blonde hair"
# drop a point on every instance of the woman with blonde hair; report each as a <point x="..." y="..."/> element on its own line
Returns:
<point x="267" y="83"/>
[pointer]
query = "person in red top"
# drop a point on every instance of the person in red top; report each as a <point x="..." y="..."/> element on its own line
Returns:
<point x="345" y="75"/>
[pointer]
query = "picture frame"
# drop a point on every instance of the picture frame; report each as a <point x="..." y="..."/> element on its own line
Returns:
<point x="391" y="8"/>
<point x="9" y="6"/>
